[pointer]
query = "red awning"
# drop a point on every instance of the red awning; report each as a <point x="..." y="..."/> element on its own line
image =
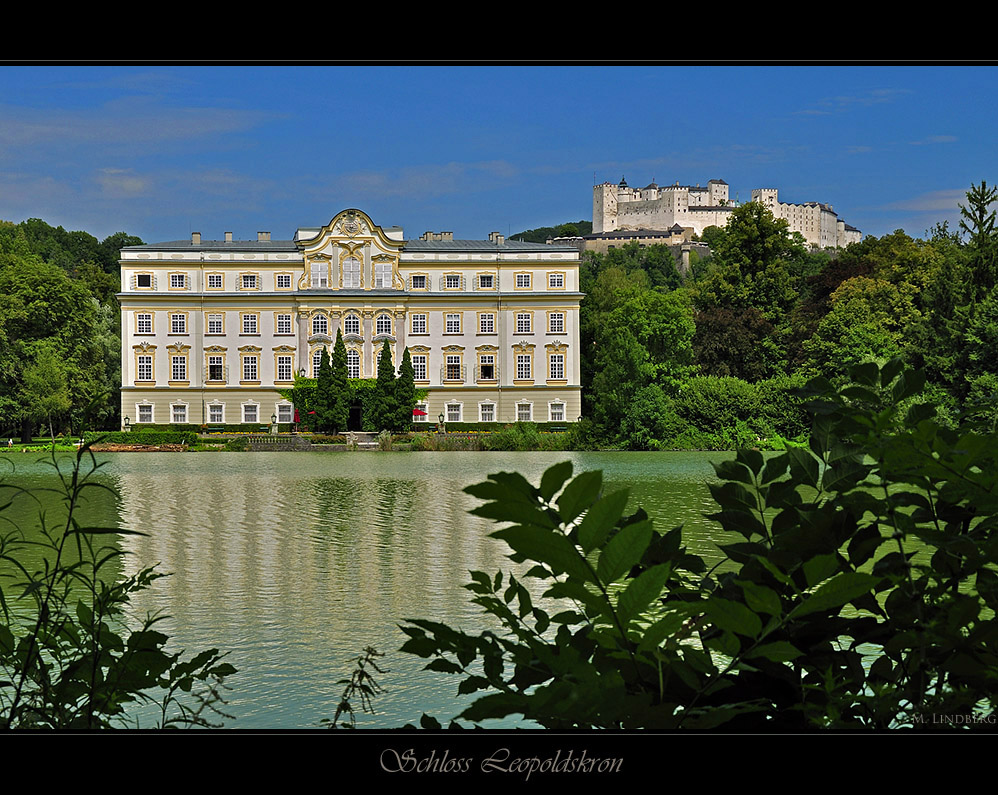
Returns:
<point x="418" y="413"/>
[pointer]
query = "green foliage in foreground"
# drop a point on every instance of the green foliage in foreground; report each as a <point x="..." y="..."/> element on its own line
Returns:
<point x="858" y="590"/>
<point x="71" y="656"/>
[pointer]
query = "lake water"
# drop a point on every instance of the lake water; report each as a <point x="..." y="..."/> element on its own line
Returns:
<point x="296" y="562"/>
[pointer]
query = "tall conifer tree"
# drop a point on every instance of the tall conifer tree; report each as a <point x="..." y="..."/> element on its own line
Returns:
<point x="383" y="407"/>
<point x="405" y="393"/>
<point x="339" y="413"/>
<point x="324" y="393"/>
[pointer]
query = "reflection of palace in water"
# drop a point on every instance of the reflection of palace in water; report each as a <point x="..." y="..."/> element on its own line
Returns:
<point x="373" y="541"/>
<point x="213" y="330"/>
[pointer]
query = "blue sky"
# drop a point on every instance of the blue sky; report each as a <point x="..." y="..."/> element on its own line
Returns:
<point x="160" y="151"/>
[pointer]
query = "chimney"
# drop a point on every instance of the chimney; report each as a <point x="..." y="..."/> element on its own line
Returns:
<point x="437" y="236"/>
<point x="262" y="237"/>
<point x="228" y="237"/>
<point x="497" y="238"/>
<point x="195" y="238"/>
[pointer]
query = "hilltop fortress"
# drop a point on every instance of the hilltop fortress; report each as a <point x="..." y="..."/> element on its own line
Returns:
<point x="619" y="207"/>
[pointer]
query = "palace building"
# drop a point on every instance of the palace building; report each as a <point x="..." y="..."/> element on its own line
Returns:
<point x="214" y="330"/>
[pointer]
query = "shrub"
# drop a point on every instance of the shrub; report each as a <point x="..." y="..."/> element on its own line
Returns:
<point x="862" y="592"/>
<point x="68" y="659"/>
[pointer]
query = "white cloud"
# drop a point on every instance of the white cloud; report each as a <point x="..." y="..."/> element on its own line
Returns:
<point x="119" y="183"/>
<point x="935" y="139"/>
<point x="135" y="123"/>
<point x="844" y="102"/>
<point x="428" y="181"/>
<point x="934" y="201"/>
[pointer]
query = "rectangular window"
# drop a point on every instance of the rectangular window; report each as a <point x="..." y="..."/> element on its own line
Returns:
<point x="215" y="369"/>
<point x="452" y="281"/>
<point x="145" y="414"/>
<point x="557" y="412"/>
<point x="557" y="321"/>
<point x="420" y="407"/>
<point x="523" y="281"/>
<point x="285" y="414"/>
<point x="215" y="324"/>
<point x="283" y="281"/>
<point x="524" y="412"/>
<point x="178" y="281"/>
<point x="353" y="364"/>
<point x="319" y="272"/>
<point x="523" y="366"/>
<point x="214" y="281"/>
<point x="178" y="324"/>
<point x="351" y="272"/>
<point x="250" y="368"/>
<point x="143" y="324"/>
<point x="419" y="367"/>
<point x="382" y="274"/>
<point x="250" y="414"/>
<point x="249" y="281"/>
<point x="144" y="280"/>
<point x="486" y="323"/>
<point x="556" y="281"/>
<point x="487" y="367"/>
<point x="419" y="324"/>
<point x="453" y="412"/>
<point x="487" y="412"/>
<point x="284" y="324"/>
<point x="485" y="281"/>
<point x="249" y="324"/>
<point x="523" y="322"/>
<point x="178" y="368"/>
<point x="144" y="370"/>
<point x="557" y="366"/>
<point x="179" y="414"/>
<point x="214" y="414"/>
<point x="284" y="368"/>
<point x="419" y="282"/>
<point x="453" y="324"/>
<point x="453" y="370"/>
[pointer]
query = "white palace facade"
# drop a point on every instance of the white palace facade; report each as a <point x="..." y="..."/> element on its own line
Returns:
<point x="214" y="330"/>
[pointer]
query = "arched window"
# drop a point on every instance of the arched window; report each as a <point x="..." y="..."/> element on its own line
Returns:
<point x="353" y="364"/>
<point x="383" y="325"/>
<point x="316" y="359"/>
<point x="320" y="325"/>
<point x="351" y="325"/>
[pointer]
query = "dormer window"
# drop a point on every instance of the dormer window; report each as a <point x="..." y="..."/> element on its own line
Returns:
<point x="319" y="277"/>
<point x="351" y="273"/>
<point x="382" y="274"/>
